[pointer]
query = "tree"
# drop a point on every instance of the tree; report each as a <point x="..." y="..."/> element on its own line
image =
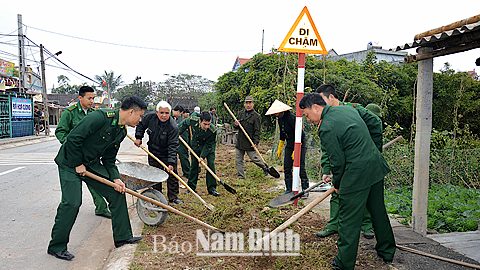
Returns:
<point x="110" y="79"/>
<point x="65" y="87"/>
<point x="142" y="89"/>
<point x="184" y="89"/>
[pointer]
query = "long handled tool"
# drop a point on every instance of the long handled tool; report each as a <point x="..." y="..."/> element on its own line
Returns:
<point x="290" y="197"/>
<point x="392" y="142"/>
<point x="209" y="206"/>
<point x="271" y="170"/>
<point x="227" y="187"/>
<point x="150" y="200"/>
<point x="297" y="215"/>
<point x="438" y="257"/>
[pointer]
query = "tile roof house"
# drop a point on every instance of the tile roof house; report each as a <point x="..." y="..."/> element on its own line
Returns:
<point x="474" y="74"/>
<point x="239" y="62"/>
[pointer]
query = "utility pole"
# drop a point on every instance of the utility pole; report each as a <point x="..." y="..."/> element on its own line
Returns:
<point x="44" y="93"/>
<point x="136" y="85"/>
<point x="21" y="58"/>
<point x="263" y="32"/>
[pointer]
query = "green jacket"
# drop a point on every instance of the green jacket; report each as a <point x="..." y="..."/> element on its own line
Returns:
<point x="374" y="125"/>
<point x="202" y="141"/>
<point x="251" y="122"/>
<point x="69" y="119"/>
<point x="96" y="139"/>
<point x="356" y="163"/>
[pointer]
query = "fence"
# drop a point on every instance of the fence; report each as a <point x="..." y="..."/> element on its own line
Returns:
<point x="456" y="167"/>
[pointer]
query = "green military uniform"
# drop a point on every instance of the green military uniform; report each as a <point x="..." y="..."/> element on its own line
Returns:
<point x="358" y="172"/>
<point x="203" y="143"/>
<point x="251" y="123"/>
<point x="182" y="149"/>
<point x="374" y="125"/>
<point x="93" y="143"/>
<point x="68" y="120"/>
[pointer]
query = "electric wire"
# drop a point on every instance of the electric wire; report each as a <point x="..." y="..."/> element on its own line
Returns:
<point x="139" y="47"/>
<point x="55" y="57"/>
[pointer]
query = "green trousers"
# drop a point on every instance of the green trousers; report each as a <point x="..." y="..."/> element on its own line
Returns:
<point x="350" y="221"/>
<point x="193" y="176"/>
<point x="71" y="185"/>
<point x="335" y="207"/>
<point x="183" y="156"/>
<point x="100" y="203"/>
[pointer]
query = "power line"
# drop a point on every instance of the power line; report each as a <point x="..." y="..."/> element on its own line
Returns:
<point x="139" y="47"/>
<point x="55" y="57"/>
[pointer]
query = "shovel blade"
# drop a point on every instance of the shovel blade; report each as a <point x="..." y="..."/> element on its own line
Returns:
<point x="273" y="172"/>
<point x="228" y="188"/>
<point x="282" y="200"/>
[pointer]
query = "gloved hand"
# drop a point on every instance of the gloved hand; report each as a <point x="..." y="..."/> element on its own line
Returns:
<point x="280" y="149"/>
<point x="293" y="154"/>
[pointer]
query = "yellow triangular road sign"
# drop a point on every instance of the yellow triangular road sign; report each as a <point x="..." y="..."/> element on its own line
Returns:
<point x="303" y="37"/>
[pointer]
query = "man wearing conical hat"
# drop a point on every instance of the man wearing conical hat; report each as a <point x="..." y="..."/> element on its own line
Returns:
<point x="286" y="122"/>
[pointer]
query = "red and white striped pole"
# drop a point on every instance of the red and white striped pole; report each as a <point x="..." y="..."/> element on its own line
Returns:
<point x="298" y="126"/>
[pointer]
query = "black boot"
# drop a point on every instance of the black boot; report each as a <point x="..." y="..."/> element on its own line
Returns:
<point x="305" y="184"/>
<point x="288" y="185"/>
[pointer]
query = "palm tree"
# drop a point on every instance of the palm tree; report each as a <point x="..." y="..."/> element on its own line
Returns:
<point x="111" y="80"/>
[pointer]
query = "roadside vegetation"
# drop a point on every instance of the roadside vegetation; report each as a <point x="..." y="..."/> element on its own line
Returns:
<point x="238" y="213"/>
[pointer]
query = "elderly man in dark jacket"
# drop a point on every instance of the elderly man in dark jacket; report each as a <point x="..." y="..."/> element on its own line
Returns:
<point x="163" y="143"/>
<point x="251" y="122"/>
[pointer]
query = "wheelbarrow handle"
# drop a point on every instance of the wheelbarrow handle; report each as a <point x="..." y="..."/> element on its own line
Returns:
<point x="150" y="200"/>
<point x="209" y="206"/>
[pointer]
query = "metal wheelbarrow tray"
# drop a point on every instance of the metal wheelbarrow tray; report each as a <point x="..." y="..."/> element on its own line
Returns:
<point x="137" y="176"/>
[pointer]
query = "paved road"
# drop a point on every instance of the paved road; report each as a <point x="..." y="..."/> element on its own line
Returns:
<point x="30" y="193"/>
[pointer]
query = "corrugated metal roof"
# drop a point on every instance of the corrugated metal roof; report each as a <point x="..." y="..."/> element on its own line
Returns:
<point x="426" y="41"/>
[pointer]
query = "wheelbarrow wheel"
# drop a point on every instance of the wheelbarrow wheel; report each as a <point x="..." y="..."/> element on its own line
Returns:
<point x="149" y="213"/>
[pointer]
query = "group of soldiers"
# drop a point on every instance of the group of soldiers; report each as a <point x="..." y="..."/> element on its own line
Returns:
<point x="351" y="141"/>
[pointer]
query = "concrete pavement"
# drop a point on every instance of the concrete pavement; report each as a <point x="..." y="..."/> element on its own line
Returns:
<point x="97" y="250"/>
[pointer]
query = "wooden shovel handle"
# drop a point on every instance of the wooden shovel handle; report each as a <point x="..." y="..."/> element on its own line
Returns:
<point x="248" y="137"/>
<point x="297" y="215"/>
<point x="198" y="158"/>
<point x="176" y="176"/>
<point x="169" y="208"/>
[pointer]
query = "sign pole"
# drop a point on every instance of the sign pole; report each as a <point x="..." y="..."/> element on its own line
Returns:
<point x="298" y="126"/>
<point x="302" y="38"/>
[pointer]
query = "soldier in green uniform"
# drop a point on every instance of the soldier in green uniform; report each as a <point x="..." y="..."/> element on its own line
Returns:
<point x="70" y="119"/>
<point x="251" y="123"/>
<point x="202" y="142"/>
<point x="374" y="124"/>
<point x="358" y="174"/>
<point x="93" y="145"/>
<point x="182" y="149"/>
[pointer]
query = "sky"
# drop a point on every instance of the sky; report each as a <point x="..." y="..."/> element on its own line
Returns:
<point x="149" y="39"/>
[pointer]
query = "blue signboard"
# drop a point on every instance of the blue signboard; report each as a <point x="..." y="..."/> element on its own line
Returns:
<point x="21" y="108"/>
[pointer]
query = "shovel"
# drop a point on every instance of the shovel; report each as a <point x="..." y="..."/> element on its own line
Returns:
<point x="227" y="187"/>
<point x="150" y="200"/>
<point x="270" y="170"/>
<point x="296" y="216"/>
<point x="209" y="206"/>
<point x="290" y="197"/>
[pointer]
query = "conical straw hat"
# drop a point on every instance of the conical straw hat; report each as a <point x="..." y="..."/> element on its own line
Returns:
<point x="277" y="107"/>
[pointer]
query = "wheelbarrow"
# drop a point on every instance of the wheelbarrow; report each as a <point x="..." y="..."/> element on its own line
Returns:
<point x="138" y="176"/>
